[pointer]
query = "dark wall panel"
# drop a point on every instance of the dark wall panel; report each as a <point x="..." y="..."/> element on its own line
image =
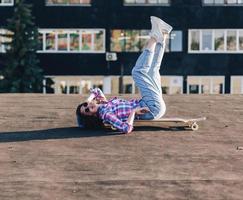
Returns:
<point x="111" y="14"/>
<point x="73" y="64"/>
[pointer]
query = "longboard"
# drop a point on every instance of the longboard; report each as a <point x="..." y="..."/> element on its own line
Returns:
<point x="190" y="123"/>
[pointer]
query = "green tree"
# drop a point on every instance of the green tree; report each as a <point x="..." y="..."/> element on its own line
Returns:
<point x="21" y="71"/>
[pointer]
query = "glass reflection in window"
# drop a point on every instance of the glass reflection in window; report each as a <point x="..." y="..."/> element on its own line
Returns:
<point x="176" y="41"/>
<point x="195" y="40"/>
<point x="207" y="40"/>
<point x="240" y="40"/>
<point x="67" y="2"/>
<point x="98" y="41"/>
<point x="62" y="41"/>
<point x="50" y="41"/>
<point x="40" y="44"/>
<point x="86" y="41"/>
<point x="231" y="40"/>
<point x="143" y="37"/>
<point x="132" y="40"/>
<point x="118" y="40"/>
<point x="219" y="40"/>
<point x="74" y="41"/>
<point x="146" y="2"/>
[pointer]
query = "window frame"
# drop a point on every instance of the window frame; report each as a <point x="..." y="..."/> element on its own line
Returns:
<point x="232" y="80"/>
<point x="167" y="49"/>
<point x="69" y="5"/>
<point x="213" y="51"/>
<point x="170" y="43"/>
<point x="1" y="40"/>
<point x="3" y="48"/>
<point x="68" y="32"/>
<point x="169" y="79"/>
<point x="7" y="4"/>
<point x="200" y="84"/>
<point x="221" y="4"/>
<point x="147" y="4"/>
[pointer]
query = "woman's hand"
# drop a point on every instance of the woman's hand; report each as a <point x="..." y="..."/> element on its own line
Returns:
<point x="100" y="100"/>
<point x="140" y="111"/>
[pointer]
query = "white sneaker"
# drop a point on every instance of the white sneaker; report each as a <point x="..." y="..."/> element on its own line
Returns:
<point x="159" y="29"/>
<point x="162" y="24"/>
<point x="153" y="28"/>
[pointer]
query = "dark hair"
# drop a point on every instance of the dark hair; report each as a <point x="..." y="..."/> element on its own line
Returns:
<point x="89" y="122"/>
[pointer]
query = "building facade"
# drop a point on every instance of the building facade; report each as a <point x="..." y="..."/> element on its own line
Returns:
<point x="204" y="53"/>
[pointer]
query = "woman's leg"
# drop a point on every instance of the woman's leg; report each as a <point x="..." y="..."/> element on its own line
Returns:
<point x="156" y="63"/>
<point x="144" y="61"/>
<point x="147" y="79"/>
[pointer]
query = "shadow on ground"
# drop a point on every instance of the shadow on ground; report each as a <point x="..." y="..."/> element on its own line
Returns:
<point x="68" y="132"/>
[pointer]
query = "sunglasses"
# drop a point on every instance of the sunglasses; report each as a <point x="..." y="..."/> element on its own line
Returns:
<point x="86" y="109"/>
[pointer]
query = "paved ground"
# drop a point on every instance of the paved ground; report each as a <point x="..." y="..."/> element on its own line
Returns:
<point x="44" y="156"/>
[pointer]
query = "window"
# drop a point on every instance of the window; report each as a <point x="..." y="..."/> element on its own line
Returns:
<point x="236" y="85"/>
<point x="118" y="40"/>
<point x="4" y="39"/>
<point x="241" y="40"/>
<point x="99" y="41"/>
<point x="86" y="41"/>
<point x="134" y="40"/>
<point x="195" y="40"/>
<point x="176" y="41"/>
<point x="6" y="2"/>
<point x="146" y="2"/>
<point x="68" y="2"/>
<point x="50" y="41"/>
<point x="231" y="40"/>
<point x="128" y="85"/>
<point x="205" y="84"/>
<point x="72" y="41"/>
<point x="215" y="41"/>
<point x="75" y="84"/>
<point x="62" y="41"/>
<point x="207" y="40"/>
<point x="144" y="37"/>
<point x="219" y="40"/>
<point x="128" y="40"/>
<point x="223" y="2"/>
<point x="172" y="84"/>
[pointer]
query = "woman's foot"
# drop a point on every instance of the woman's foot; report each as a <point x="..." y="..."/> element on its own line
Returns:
<point x="160" y="29"/>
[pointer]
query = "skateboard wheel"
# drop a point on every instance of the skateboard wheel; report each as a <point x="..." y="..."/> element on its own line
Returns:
<point x="194" y="127"/>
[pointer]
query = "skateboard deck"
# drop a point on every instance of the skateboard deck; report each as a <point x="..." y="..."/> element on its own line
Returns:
<point x="186" y="123"/>
<point x="191" y="123"/>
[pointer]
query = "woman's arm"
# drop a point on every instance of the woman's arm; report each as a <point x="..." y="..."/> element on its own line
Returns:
<point x="112" y="119"/>
<point x="138" y="111"/>
<point x="96" y="94"/>
<point x="131" y="117"/>
<point x="125" y="127"/>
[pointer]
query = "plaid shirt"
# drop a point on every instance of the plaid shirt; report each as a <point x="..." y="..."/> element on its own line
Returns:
<point x="116" y="111"/>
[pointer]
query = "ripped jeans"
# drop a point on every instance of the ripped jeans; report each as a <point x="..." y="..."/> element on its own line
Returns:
<point x="146" y="76"/>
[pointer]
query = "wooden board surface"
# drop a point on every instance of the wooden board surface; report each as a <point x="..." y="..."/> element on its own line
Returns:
<point x="167" y="122"/>
<point x="184" y="120"/>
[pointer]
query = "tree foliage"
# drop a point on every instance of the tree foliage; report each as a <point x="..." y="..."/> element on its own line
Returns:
<point x="21" y="72"/>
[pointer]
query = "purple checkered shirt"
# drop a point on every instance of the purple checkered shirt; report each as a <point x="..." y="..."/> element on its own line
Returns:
<point x="116" y="111"/>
